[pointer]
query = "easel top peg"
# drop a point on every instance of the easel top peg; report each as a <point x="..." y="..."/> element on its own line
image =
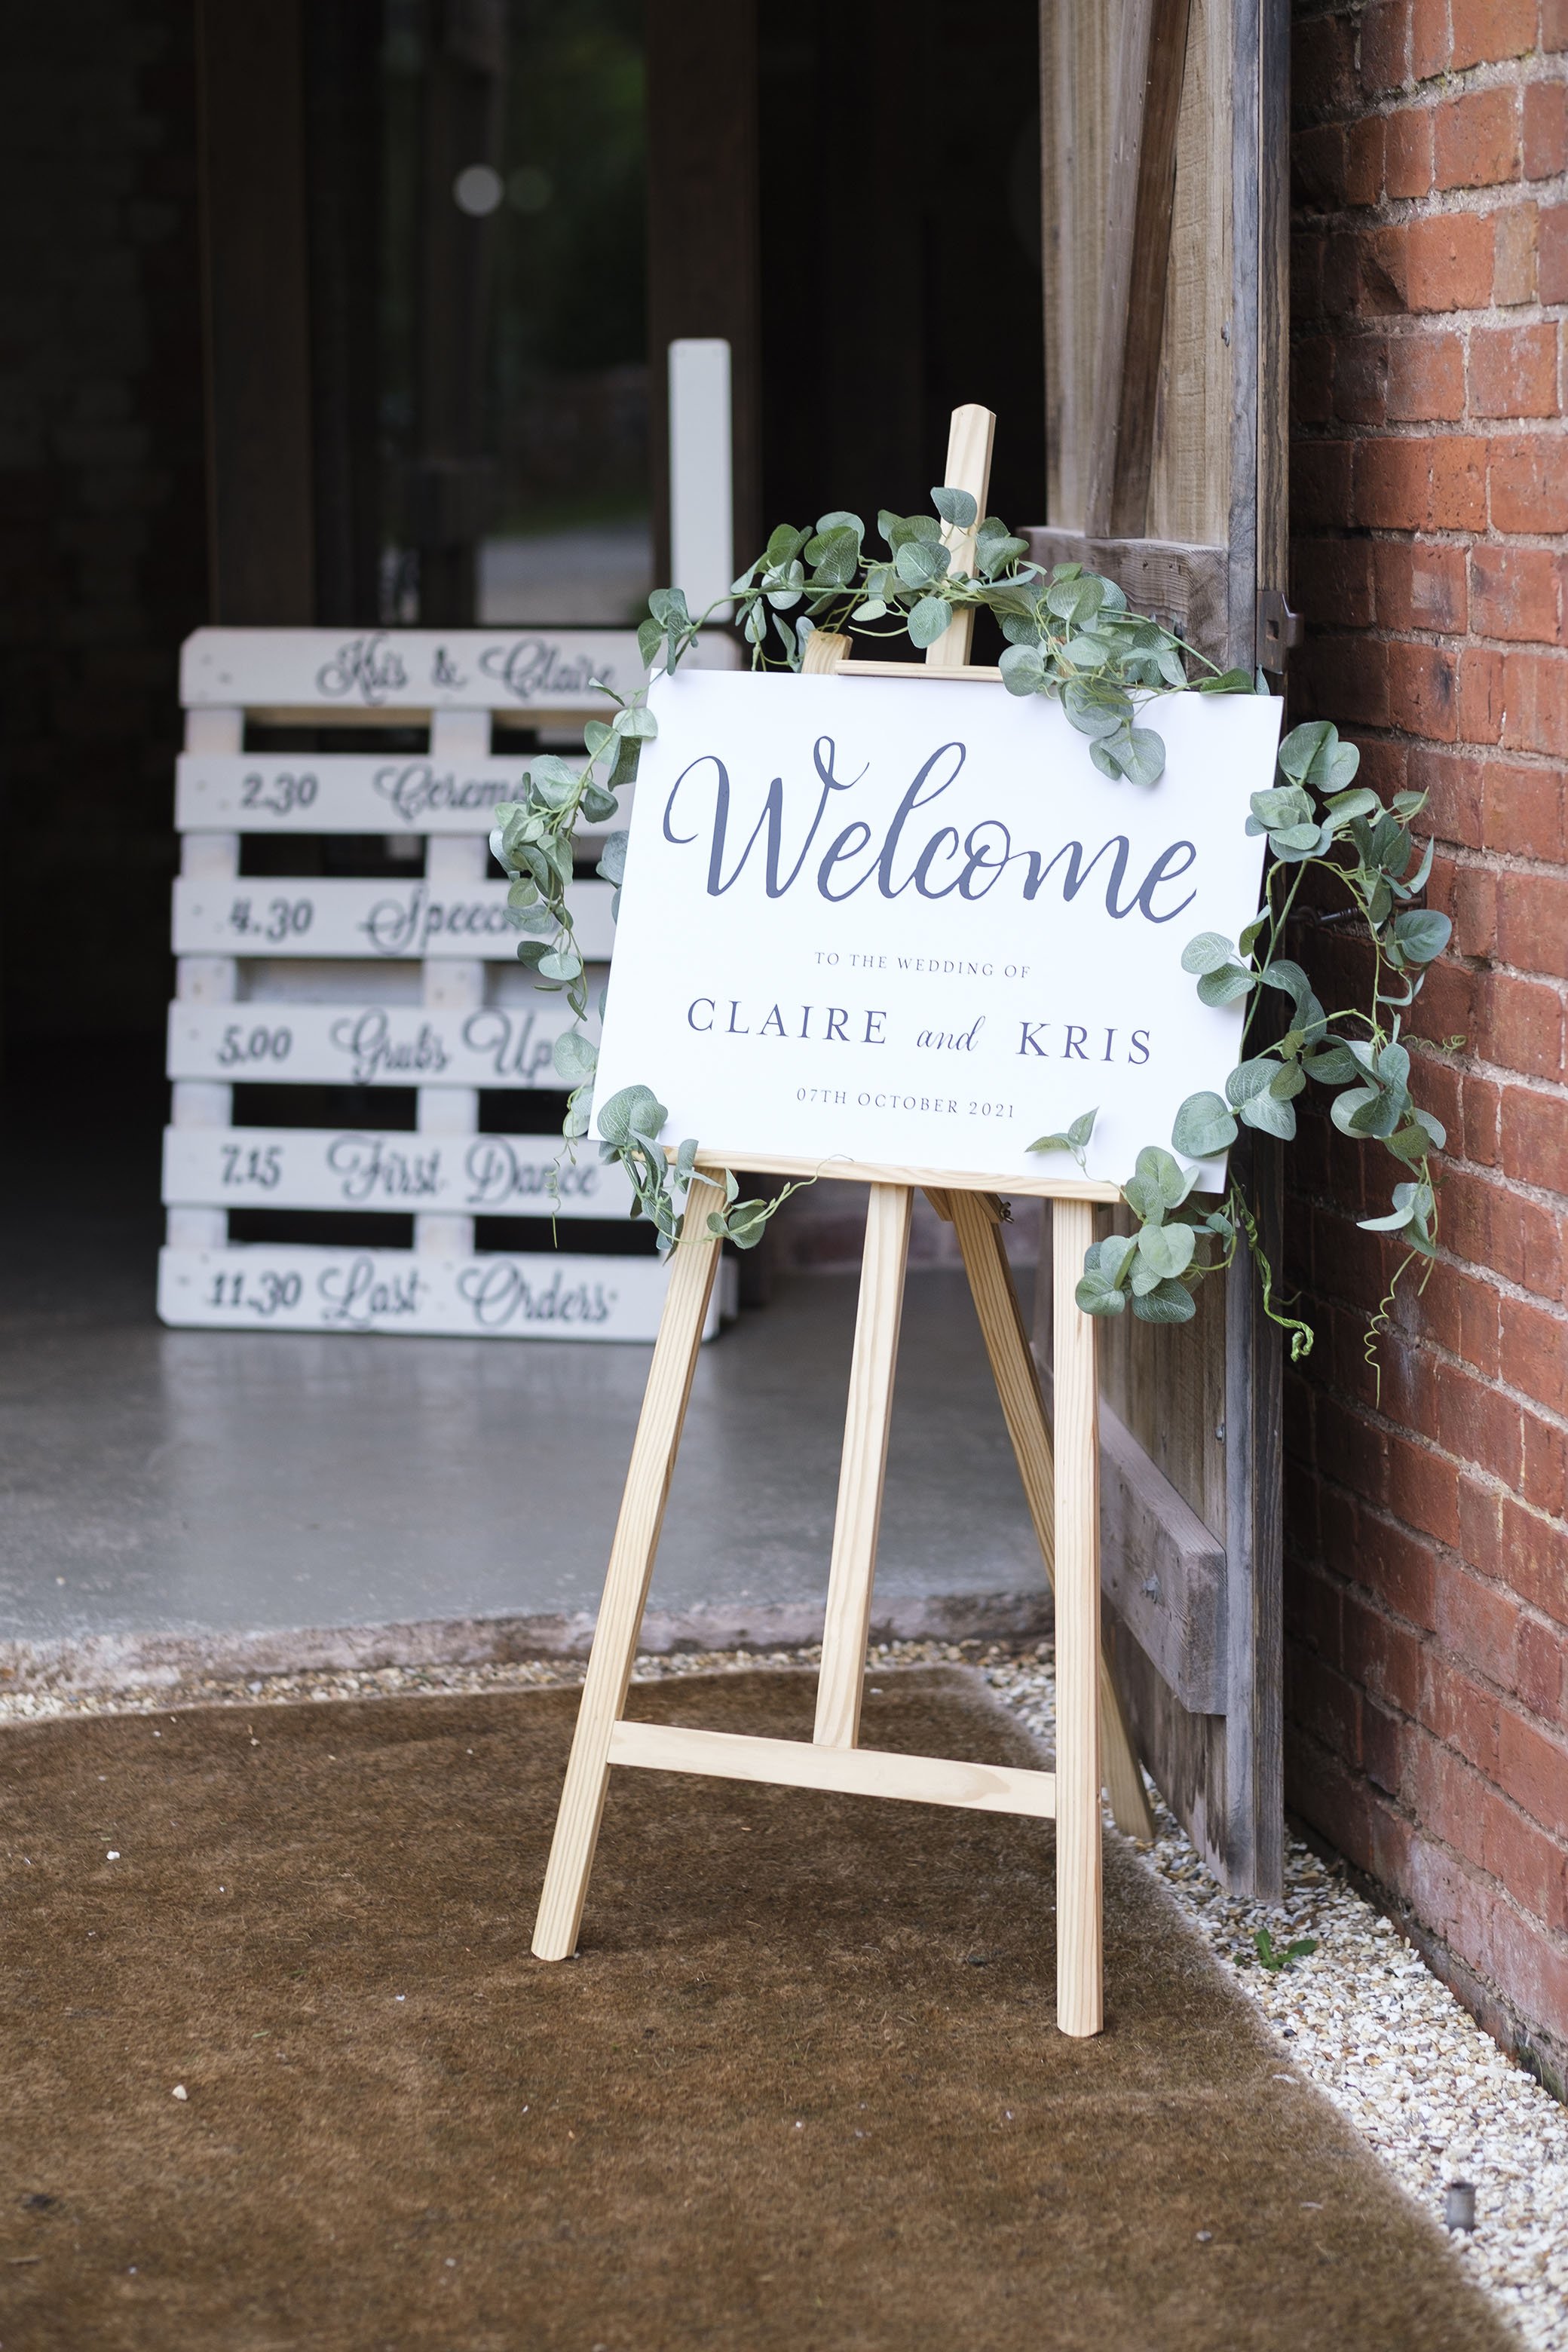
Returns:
<point x="970" y="436"/>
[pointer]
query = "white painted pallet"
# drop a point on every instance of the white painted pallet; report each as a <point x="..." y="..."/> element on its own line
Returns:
<point x="370" y="1168"/>
<point x="371" y="984"/>
<point x="257" y="1286"/>
<point x="284" y="1042"/>
<point x="408" y="922"/>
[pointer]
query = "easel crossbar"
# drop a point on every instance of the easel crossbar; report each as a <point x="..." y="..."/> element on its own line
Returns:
<point x="848" y="1772"/>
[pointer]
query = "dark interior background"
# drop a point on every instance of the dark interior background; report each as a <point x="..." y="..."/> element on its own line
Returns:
<point x="259" y="365"/>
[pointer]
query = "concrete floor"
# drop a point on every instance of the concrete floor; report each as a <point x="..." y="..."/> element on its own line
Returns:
<point x="173" y="1498"/>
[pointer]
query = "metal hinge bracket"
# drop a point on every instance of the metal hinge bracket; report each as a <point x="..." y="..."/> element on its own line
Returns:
<point x="1278" y="629"/>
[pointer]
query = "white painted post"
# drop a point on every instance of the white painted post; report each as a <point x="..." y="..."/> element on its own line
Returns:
<point x="456" y="986"/>
<point x="701" y="521"/>
<point x="205" y="980"/>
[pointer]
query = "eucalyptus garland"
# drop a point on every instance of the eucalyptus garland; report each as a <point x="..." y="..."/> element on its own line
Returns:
<point x="1071" y="636"/>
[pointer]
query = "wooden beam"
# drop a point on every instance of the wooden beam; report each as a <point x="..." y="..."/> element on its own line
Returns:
<point x="1183" y="585"/>
<point x="1153" y="61"/>
<point x="851" y="1772"/>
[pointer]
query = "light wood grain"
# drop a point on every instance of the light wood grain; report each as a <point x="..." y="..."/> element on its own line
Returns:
<point x="854" y="1772"/>
<point x="891" y="1171"/>
<point x="968" y="467"/>
<point x="1078" y="47"/>
<point x="863" y="1469"/>
<point x="985" y="1254"/>
<point x="632" y="1554"/>
<point x="1150" y="68"/>
<point x="1189" y="481"/>
<point x="1079" y="1997"/>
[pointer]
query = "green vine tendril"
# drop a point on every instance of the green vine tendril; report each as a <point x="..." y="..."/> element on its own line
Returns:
<point x="1072" y="636"/>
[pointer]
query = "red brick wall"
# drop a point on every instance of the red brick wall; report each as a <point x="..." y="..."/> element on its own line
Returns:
<point x="1428" y="1555"/>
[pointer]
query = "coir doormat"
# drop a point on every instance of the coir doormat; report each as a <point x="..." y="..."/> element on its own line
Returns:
<point x="281" y="2072"/>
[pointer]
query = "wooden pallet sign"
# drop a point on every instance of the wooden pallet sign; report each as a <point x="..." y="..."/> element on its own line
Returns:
<point x="888" y="931"/>
<point x="372" y="985"/>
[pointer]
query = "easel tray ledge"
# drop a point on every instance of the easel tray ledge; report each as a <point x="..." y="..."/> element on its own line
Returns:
<point x="889" y="1171"/>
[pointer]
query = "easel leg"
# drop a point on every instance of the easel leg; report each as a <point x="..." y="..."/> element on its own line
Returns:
<point x="1022" y="1408"/>
<point x="632" y="1554"/>
<point x="1079" y="1997"/>
<point x="864" y="1467"/>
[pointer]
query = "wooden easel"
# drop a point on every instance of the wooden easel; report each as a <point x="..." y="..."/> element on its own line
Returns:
<point x="1062" y="1485"/>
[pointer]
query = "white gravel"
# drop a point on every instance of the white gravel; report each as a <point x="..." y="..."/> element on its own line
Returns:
<point x="1361" y="2017"/>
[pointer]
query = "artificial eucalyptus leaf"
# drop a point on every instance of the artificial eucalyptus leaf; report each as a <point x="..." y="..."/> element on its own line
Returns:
<point x="1266" y="1112"/>
<point x="956" y="508"/>
<point x="1204" y="1126"/>
<point x="1223" y="986"/>
<point x="1421" y="934"/>
<point x="1167" y="1250"/>
<point x="612" y="857"/>
<point x="575" y="1057"/>
<point x="1171" y="1302"/>
<point x="928" y="620"/>
<point x="1095" y="1296"/>
<point x="561" y="963"/>
<point x="1023" y="671"/>
<point x="1210" y="951"/>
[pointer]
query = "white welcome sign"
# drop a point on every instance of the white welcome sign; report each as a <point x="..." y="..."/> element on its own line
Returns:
<point x="908" y="922"/>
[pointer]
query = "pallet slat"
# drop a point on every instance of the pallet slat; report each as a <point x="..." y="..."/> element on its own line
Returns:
<point x="409" y="669"/>
<point x="391" y="1169"/>
<point x="407" y="921"/>
<point x="352" y="793"/>
<point x="261" y="1287"/>
<point x="283" y="1043"/>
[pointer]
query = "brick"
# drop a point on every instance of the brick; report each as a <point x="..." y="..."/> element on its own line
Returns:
<point x="1422" y="1488"/>
<point x="1424" y="378"/>
<point x="1479" y="1124"/>
<point x="1385" y="48"/>
<point x="1448" y="262"/>
<point x="1423" y="691"/>
<point x="1513" y="372"/>
<point x="1422" y="483"/>
<point x="1552" y="282"/>
<point x="1525" y="1859"/>
<point x="1383" y="1741"/>
<point x="1517" y="592"/>
<point x="1381" y="1656"/>
<point x="1480" y="695"/>
<point x="1407" y="152"/>
<point x="1331" y="579"/>
<point x="1361" y="378"/>
<point x="1477" y="1424"/>
<point x="1528" y="484"/>
<point x="1312" y="380"/>
<point x="1535" y="1138"/>
<point x="1540" y="1484"/>
<point x="1471" y="902"/>
<point x="1535" y="1352"/>
<point x="1534" y="1769"/>
<point x="1546" y="129"/>
<point x="1476" y="140"/>
<point x="1399" y="1567"/>
<point x="1514" y="262"/>
<point x="1320" y="483"/>
<point x="1554" y="24"/>
<point x="1318" y="166"/>
<point x="1420" y="584"/>
<point x="1429" y="38"/>
<point x="1524" y="1026"/>
<point x="1484" y="30"/>
<point x="1543" y="1675"/>
<point x="1535" y="702"/>
<point x="1477" y="1621"/>
<point x="1533" y="924"/>
<point x="1323" y="68"/>
<point x="1364" y="155"/>
<point x="1522" y="810"/>
<point x="1453" y="812"/>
